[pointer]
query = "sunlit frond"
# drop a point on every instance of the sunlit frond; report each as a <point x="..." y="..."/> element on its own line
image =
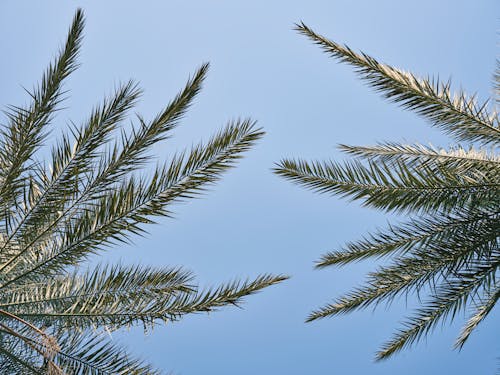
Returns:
<point x="120" y="296"/>
<point x="457" y="114"/>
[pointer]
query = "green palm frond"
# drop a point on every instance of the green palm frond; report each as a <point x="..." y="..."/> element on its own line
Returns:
<point x="457" y="114"/>
<point x="410" y="237"/>
<point x="124" y="296"/>
<point x="24" y="133"/>
<point x="94" y="191"/>
<point x="122" y="211"/>
<point x="397" y="185"/>
<point x="448" y="248"/>
<point x="412" y="272"/>
<point x="447" y="300"/>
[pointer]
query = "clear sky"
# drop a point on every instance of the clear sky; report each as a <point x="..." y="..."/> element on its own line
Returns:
<point x="252" y="221"/>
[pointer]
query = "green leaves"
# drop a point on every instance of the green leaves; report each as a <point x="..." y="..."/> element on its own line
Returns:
<point x="448" y="248"/>
<point x="98" y="189"/>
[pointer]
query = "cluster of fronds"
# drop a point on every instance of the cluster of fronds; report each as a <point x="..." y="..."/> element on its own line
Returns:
<point x="54" y="214"/>
<point x="449" y="248"/>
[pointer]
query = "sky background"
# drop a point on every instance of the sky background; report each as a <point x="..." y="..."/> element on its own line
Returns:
<point x="253" y="222"/>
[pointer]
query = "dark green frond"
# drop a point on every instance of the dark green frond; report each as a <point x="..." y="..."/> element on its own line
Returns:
<point x="69" y="164"/>
<point x="131" y="152"/>
<point x="421" y="262"/>
<point x="72" y="165"/>
<point x="394" y="186"/>
<point x="122" y="212"/>
<point x="406" y="275"/>
<point x="417" y="233"/>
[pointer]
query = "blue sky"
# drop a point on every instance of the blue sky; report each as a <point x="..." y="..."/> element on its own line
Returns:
<point x="252" y="221"/>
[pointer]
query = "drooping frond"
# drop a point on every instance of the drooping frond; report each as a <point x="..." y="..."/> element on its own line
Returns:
<point x="483" y="308"/>
<point x="423" y="267"/>
<point x="449" y="299"/>
<point x="456" y="114"/>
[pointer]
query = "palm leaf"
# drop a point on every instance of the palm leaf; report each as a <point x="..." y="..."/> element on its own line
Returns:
<point x="458" y="114"/>
<point x="24" y="133"/>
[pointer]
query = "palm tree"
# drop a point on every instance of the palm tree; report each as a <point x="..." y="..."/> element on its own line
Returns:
<point x="86" y="197"/>
<point x="448" y="250"/>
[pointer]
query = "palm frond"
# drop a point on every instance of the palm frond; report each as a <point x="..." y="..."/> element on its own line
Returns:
<point x="456" y="114"/>
<point x="483" y="308"/>
<point x="428" y="156"/>
<point x="80" y="191"/>
<point x="121" y="212"/>
<point x="125" y="296"/>
<point x="24" y="133"/>
<point x="415" y="234"/>
<point x="429" y="268"/>
<point x="69" y="163"/>
<point x="16" y="357"/>
<point x="450" y="299"/>
<point x="395" y="186"/>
